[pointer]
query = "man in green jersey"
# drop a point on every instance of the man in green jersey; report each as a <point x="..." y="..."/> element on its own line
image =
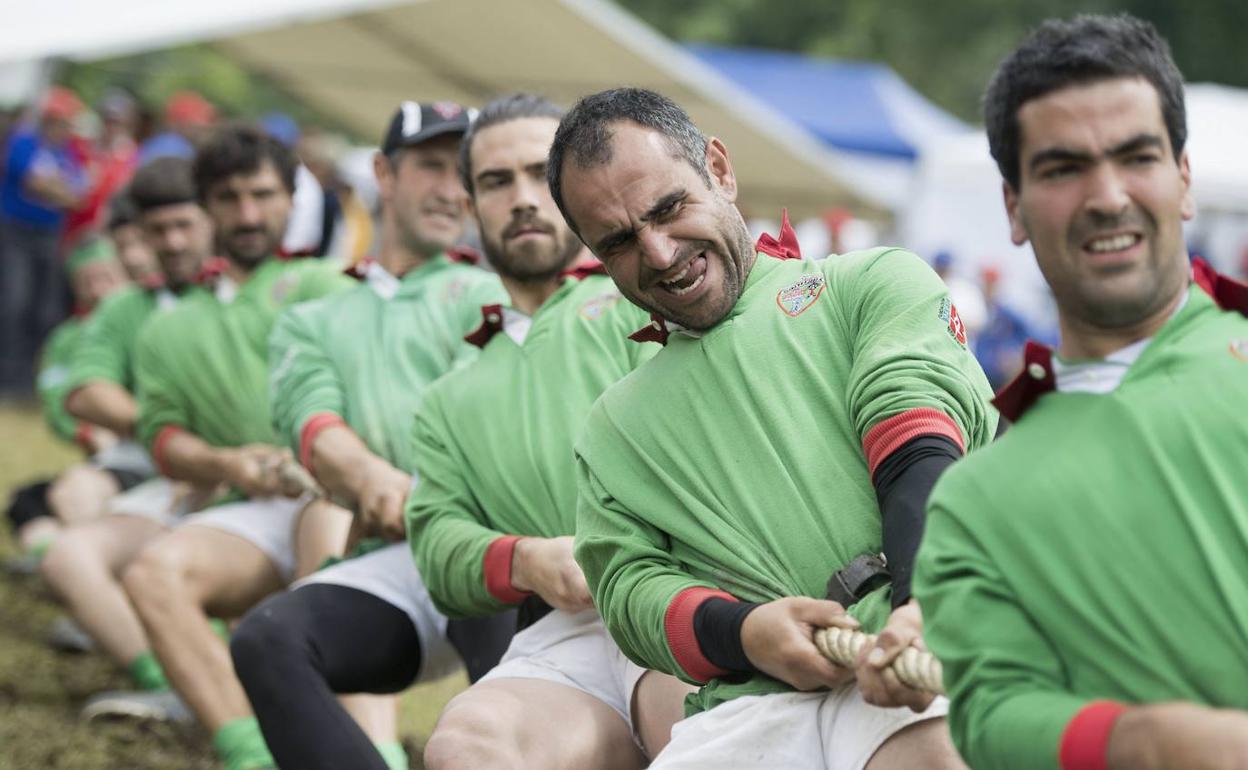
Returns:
<point x="348" y="372"/>
<point x="202" y="372"/>
<point x="1084" y="579"/>
<point x="787" y="434"/>
<point x="492" y="517"/>
<point x="84" y="565"/>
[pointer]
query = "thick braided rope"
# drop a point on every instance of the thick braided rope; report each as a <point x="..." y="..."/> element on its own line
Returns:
<point x="915" y="668"/>
<point x="295" y="477"/>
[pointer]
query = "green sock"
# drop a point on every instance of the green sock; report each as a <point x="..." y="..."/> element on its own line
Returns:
<point x="241" y="746"/>
<point x="393" y="753"/>
<point x="40" y="548"/>
<point x="146" y="672"/>
<point x="221" y="627"/>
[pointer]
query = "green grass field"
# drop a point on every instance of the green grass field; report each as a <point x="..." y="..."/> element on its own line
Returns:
<point x="41" y="691"/>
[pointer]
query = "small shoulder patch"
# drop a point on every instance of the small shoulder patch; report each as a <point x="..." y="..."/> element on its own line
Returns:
<point x="1239" y="349"/>
<point x="797" y="297"/>
<point x="949" y="315"/>
<point x="594" y="308"/>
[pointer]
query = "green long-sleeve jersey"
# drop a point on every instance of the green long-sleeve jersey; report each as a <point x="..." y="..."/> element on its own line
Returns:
<point x="1097" y="551"/>
<point x="367" y="355"/>
<point x="109" y="335"/>
<point x="739" y="460"/>
<point x="52" y="381"/>
<point x="203" y="366"/>
<point x="493" y="441"/>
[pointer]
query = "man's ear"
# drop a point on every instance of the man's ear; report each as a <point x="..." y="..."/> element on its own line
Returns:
<point x="383" y="172"/>
<point x="720" y="168"/>
<point x="1017" y="232"/>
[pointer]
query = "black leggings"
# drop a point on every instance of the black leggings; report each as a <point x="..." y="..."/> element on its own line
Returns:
<point x="297" y="650"/>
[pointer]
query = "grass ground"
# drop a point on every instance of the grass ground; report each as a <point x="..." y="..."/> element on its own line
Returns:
<point x="41" y="691"/>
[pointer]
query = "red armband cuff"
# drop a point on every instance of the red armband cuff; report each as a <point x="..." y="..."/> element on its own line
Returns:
<point x="1086" y="737"/>
<point x="82" y="435"/>
<point x="887" y="436"/>
<point x="313" y="428"/>
<point x="678" y="627"/>
<point x="497" y="568"/>
<point x="158" y="447"/>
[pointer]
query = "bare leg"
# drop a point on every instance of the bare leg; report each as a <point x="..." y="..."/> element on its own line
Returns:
<point x="923" y="744"/>
<point x="377" y="715"/>
<point x="83" y="565"/>
<point x="173" y="583"/>
<point x="320" y="534"/>
<point x="506" y="723"/>
<point x="658" y="703"/>
<point x="81" y="492"/>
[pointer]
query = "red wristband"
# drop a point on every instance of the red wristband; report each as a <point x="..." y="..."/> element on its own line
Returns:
<point x="313" y="428"/>
<point x="1086" y="737"/>
<point x="497" y="568"/>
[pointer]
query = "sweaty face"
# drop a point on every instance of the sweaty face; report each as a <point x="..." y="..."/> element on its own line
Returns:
<point x="133" y="252"/>
<point x="249" y="213"/>
<point x="423" y="188"/>
<point x="181" y="236"/>
<point x="1102" y="199"/>
<point x="522" y="232"/>
<point x="673" y="244"/>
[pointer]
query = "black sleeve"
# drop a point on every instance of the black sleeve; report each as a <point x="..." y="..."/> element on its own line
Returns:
<point x="717" y="627"/>
<point x="902" y="484"/>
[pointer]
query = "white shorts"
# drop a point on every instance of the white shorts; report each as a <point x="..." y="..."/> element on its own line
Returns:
<point x="575" y="651"/>
<point x="268" y="523"/>
<point x="834" y="730"/>
<point x="390" y="574"/>
<point x="125" y="456"/>
<point x="156" y="499"/>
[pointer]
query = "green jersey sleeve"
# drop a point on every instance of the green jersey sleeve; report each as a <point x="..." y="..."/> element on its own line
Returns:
<point x="445" y="523"/>
<point x="318" y="278"/>
<point x="52" y="381"/>
<point x="107" y="342"/>
<point x="633" y="576"/>
<point x="1009" y="706"/>
<point x="303" y="380"/>
<point x="911" y="371"/>
<point x="161" y="403"/>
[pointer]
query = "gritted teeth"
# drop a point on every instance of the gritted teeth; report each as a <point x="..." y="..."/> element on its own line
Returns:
<point x="1113" y="242"/>
<point x="681" y="291"/>
<point x="687" y="279"/>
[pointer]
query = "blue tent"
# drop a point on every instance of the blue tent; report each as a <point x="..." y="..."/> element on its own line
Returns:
<point x="857" y="107"/>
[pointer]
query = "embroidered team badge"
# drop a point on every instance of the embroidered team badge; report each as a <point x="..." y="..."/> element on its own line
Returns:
<point x="283" y="286"/>
<point x="798" y="296"/>
<point x="949" y="314"/>
<point x="1239" y="349"/>
<point x="594" y="308"/>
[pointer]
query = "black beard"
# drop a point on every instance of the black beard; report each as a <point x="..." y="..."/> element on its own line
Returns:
<point x="519" y="267"/>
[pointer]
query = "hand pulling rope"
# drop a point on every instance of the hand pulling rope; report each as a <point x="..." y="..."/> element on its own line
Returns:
<point x="915" y="668"/>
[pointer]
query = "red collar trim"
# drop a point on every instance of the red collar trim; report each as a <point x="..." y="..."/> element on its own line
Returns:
<point x="784" y="247"/>
<point x="359" y="271"/>
<point x="465" y="255"/>
<point x="582" y="270"/>
<point x="1227" y="292"/>
<point x="81" y="311"/>
<point x="491" y="324"/>
<point x="655" y="331"/>
<point x="153" y="281"/>
<point x="1034" y="381"/>
<point x="208" y="272"/>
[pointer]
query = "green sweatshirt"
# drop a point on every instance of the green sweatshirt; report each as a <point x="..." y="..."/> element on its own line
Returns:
<point x="739" y="460"/>
<point x="52" y="382"/>
<point x="365" y="356"/>
<point x="203" y="366"/>
<point x="493" y="441"/>
<point x="108" y="339"/>
<point x="1097" y="551"/>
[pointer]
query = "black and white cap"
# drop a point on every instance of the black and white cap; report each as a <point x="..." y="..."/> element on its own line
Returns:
<point x="414" y="123"/>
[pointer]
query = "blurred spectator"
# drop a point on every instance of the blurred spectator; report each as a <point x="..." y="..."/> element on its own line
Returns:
<point x="126" y="233"/>
<point x="966" y="296"/>
<point x="110" y="162"/>
<point x="305" y="233"/>
<point x="188" y="117"/>
<point x="999" y="346"/>
<point x="42" y="181"/>
<point x="94" y="273"/>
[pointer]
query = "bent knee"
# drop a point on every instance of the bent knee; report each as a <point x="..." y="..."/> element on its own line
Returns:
<point x="921" y="744"/>
<point x="264" y="637"/>
<point x="475" y="734"/>
<point x="155" y="575"/>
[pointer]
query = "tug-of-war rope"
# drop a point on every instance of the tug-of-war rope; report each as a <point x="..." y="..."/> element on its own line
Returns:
<point x="915" y="668"/>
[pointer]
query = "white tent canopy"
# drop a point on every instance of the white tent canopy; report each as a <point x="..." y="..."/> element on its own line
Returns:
<point x="356" y="59"/>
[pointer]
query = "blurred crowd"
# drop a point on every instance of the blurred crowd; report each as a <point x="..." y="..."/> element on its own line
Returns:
<point x="64" y="167"/>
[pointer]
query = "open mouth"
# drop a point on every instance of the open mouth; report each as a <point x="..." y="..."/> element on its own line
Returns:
<point x="689" y="278"/>
<point x="1107" y="244"/>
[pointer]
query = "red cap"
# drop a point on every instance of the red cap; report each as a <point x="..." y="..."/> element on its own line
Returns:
<point x="188" y="108"/>
<point x="62" y="103"/>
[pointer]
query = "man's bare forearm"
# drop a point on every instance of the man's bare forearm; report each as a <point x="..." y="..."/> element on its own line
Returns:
<point x="106" y="404"/>
<point x="1170" y="735"/>
<point x="340" y="460"/>
<point x="186" y="457"/>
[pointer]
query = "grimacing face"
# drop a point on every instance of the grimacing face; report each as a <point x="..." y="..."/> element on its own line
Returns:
<point x="180" y="234"/>
<point x="423" y="190"/>
<point x="249" y="213"/>
<point x="1102" y="199"/>
<point x="673" y="244"/>
<point x="522" y="232"/>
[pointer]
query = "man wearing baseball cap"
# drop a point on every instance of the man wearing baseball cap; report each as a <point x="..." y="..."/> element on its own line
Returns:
<point x="348" y="373"/>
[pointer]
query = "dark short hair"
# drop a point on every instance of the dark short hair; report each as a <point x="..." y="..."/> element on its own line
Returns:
<point x="121" y="211"/>
<point x="162" y="182"/>
<point x="1086" y="49"/>
<point x="584" y="134"/>
<point x="241" y="149"/>
<point x="504" y="109"/>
